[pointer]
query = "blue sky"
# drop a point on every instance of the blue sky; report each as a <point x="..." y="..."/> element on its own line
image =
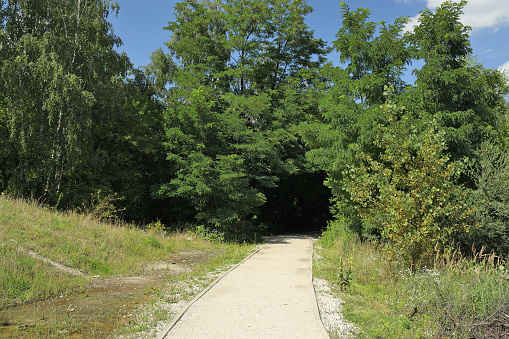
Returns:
<point x="140" y="24"/>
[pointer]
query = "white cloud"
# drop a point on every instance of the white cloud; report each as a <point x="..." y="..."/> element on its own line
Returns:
<point x="504" y="68"/>
<point x="478" y="14"/>
<point x="412" y="21"/>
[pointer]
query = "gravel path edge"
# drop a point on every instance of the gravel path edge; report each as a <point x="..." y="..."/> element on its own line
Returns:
<point x="318" y="314"/>
<point x="181" y="313"/>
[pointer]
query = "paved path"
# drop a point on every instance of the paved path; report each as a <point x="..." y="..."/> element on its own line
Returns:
<point x="270" y="295"/>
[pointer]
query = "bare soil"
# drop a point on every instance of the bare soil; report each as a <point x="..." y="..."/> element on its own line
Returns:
<point x="107" y="304"/>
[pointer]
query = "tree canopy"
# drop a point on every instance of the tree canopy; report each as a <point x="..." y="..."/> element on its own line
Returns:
<point x="241" y="124"/>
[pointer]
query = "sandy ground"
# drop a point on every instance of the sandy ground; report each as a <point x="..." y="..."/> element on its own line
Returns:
<point x="269" y="295"/>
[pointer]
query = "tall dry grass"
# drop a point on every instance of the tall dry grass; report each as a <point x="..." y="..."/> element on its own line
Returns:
<point x="455" y="296"/>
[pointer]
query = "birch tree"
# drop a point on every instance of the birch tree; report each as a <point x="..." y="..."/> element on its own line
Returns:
<point x="59" y="71"/>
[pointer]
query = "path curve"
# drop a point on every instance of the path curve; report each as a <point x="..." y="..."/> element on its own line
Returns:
<point x="269" y="295"/>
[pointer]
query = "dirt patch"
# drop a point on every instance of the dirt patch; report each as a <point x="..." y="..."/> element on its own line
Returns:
<point x="105" y="305"/>
<point x="180" y="263"/>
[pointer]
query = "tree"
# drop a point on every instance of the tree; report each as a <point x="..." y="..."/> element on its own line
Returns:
<point x="217" y="160"/>
<point x="233" y="102"/>
<point x="409" y="194"/>
<point x="59" y="72"/>
<point x="126" y="157"/>
<point x="374" y="59"/>
<point x="466" y="99"/>
<point x="374" y="56"/>
<point x="491" y="201"/>
<point x="6" y="164"/>
<point x="239" y="46"/>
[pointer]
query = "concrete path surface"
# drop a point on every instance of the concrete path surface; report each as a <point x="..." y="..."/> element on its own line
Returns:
<point x="269" y="295"/>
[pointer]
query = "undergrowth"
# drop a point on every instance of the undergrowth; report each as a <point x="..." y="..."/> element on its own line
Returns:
<point x="453" y="297"/>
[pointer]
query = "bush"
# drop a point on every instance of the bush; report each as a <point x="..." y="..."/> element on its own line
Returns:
<point x="410" y="193"/>
<point x="491" y="202"/>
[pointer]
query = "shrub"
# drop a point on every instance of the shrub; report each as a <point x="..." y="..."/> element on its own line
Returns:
<point x="491" y="202"/>
<point x="410" y="193"/>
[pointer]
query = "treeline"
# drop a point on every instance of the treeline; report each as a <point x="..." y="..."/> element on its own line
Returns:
<point x="240" y="119"/>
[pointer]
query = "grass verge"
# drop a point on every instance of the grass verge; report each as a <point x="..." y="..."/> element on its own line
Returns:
<point x="80" y="243"/>
<point x="456" y="297"/>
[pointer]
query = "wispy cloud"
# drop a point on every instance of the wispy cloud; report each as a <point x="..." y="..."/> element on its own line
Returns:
<point x="478" y="14"/>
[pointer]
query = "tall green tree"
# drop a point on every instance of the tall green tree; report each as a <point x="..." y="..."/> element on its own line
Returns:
<point x="491" y="175"/>
<point x="59" y="71"/>
<point x="238" y="78"/>
<point x="374" y="56"/>
<point x="126" y="157"/>
<point x="467" y="99"/>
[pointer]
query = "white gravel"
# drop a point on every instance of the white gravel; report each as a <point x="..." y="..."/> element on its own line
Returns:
<point x="330" y="307"/>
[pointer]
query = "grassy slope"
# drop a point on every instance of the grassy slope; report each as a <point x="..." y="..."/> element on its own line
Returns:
<point x="80" y="241"/>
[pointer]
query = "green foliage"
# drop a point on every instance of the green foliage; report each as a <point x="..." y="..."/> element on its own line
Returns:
<point x="409" y="193"/>
<point x="102" y="207"/>
<point x="375" y="56"/>
<point x="233" y="102"/>
<point x="374" y="59"/>
<point x="440" y="34"/>
<point x="127" y="156"/>
<point x="217" y="160"/>
<point x="71" y="123"/>
<point x="221" y="44"/>
<point x="156" y="227"/>
<point x="503" y="131"/>
<point x="389" y="169"/>
<point x="467" y="99"/>
<point x="344" y="273"/>
<point x="455" y="297"/>
<point x="239" y="110"/>
<point x="205" y="233"/>
<point x="491" y="201"/>
<point x="50" y="97"/>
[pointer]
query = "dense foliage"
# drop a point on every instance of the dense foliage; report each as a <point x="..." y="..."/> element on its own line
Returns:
<point x="57" y="75"/>
<point x="239" y="120"/>
<point x="235" y="84"/>
<point x="410" y="195"/>
<point x="396" y="161"/>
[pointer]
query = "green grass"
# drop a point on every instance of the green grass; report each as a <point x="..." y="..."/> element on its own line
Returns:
<point x="24" y="279"/>
<point x="81" y="241"/>
<point x="455" y="297"/>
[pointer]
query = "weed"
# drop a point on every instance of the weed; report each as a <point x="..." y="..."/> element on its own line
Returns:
<point x="205" y="233"/>
<point x="344" y="273"/>
<point x="102" y="207"/>
<point x="152" y="242"/>
<point x="457" y="297"/>
<point x="139" y="328"/>
<point x="156" y="228"/>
